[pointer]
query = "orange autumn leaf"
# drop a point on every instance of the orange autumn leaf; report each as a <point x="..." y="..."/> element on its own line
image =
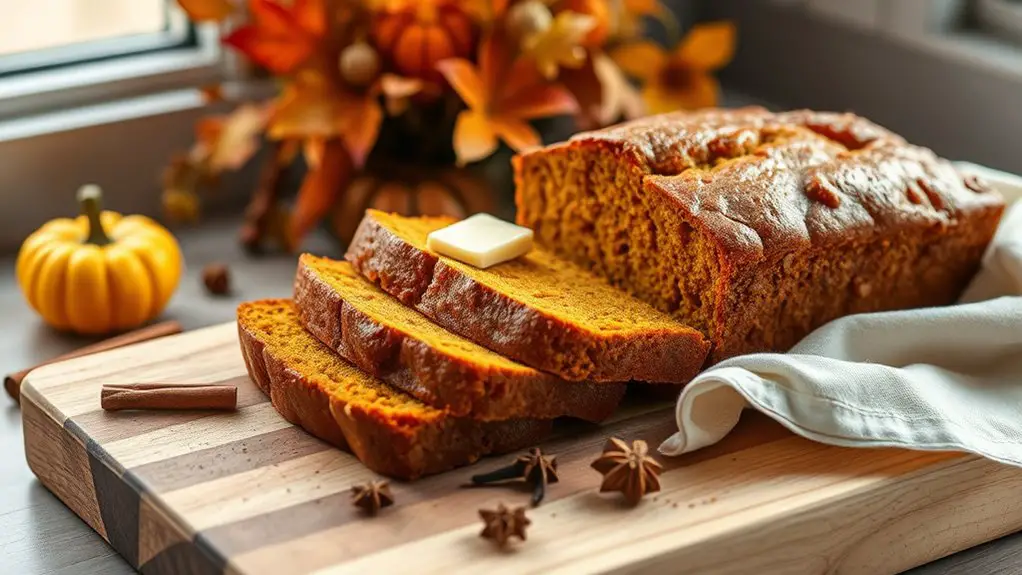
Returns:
<point x="682" y="78"/>
<point x="474" y="136"/>
<point x="319" y="192"/>
<point x="643" y="7"/>
<point x="206" y="10"/>
<point x="312" y="150"/>
<point x="707" y="47"/>
<point x="560" y="45"/>
<point x="501" y="95"/>
<point x="312" y="107"/>
<point x="229" y="141"/>
<point x="309" y="107"/>
<point x="212" y="93"/>
<point x="280" y="38"/>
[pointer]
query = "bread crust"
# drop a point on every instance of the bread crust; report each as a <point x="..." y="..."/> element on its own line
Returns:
<point x="803" y="210"/>
<point x="464" y="387"/>
<point x="404" y="450"/>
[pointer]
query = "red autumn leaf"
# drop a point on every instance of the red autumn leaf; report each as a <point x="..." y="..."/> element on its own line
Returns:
<point x="311" y="15"/>
<point x="206" y="10"/>
<point x="281" y="38"/>
<point x="320" y="190"/>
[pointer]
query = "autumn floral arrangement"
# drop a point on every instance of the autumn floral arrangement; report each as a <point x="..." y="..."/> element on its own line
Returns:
<point x="384" y="103"/>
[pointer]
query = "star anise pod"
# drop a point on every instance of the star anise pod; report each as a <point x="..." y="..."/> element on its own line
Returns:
<point x="502" y="523"/>
<point x="629" y="470"/>
<point x="372" y="496"/>
<point x="534" y="468"/>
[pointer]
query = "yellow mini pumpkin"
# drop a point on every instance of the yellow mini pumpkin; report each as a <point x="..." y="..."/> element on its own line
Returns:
<point x="100" y="272"/>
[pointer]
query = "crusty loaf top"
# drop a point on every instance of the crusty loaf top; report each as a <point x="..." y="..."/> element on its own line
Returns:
<point x="763" y="182"/>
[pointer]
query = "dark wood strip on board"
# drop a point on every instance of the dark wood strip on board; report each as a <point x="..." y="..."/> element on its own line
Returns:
<point x="228" y="459"/>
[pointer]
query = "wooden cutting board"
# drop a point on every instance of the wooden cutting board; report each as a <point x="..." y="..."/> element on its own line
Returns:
<point x="246" y="492"/>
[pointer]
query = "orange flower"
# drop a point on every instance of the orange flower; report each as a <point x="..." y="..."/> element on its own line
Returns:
<point x="502" y="96"/>
<point x="682" y="78"/>
<point x="560" y="45"/>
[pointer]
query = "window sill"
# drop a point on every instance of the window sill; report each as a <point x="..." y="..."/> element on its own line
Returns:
<point x="122" y="145"/>
<point x="123" y="77"/>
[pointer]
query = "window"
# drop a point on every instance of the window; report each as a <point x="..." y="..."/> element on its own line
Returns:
<point x="45" y="30"/>
<point x="57" y="54"/>
<point x="1002" y="18"/>
<point x="100" y="91"/>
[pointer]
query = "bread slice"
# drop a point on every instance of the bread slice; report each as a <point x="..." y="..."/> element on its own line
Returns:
<point x="389" y="431"/>
<point x="539" y="309"/>
<point x="402" y="347"/>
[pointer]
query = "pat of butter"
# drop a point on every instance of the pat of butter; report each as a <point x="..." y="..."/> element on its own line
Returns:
<point x="481" y="240"/>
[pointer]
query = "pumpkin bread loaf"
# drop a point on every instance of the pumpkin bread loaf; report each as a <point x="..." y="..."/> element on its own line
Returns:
<point x="757" y="227"/>
<point x="385" y="338"/>
<point x="540" y="309"/>
<point x="389" y="431"/>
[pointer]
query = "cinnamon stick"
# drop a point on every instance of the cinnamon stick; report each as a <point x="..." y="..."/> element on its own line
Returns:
<point x="12" y="382"/>
<point x="168" y="396"/>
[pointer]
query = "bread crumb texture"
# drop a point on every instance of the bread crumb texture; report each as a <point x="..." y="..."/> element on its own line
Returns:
<point x="757" y="227"/>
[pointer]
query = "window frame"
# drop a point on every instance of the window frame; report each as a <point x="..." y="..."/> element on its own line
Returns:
<point x="115" y="122"/>
<point x="1000" y="18"/>
<point x="185" y="55"/>
<point x="177" y="33"/>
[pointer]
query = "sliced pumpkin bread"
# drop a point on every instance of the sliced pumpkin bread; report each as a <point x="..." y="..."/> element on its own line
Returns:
<point x="539" y="309"/>
<point x="391" y="341"/>
<point x="390" y="431"/>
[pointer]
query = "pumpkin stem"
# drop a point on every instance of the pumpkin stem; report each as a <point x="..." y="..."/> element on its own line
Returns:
<point x="89" y="198"/>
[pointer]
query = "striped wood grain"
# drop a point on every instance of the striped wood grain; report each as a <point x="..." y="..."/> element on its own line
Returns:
<point x="247" y="492"/>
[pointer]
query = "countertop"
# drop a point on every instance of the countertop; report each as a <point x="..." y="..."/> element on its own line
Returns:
<point x="39" y="535"/>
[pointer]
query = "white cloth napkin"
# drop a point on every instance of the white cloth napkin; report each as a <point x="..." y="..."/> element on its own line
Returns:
<point x="945" y="378"/>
